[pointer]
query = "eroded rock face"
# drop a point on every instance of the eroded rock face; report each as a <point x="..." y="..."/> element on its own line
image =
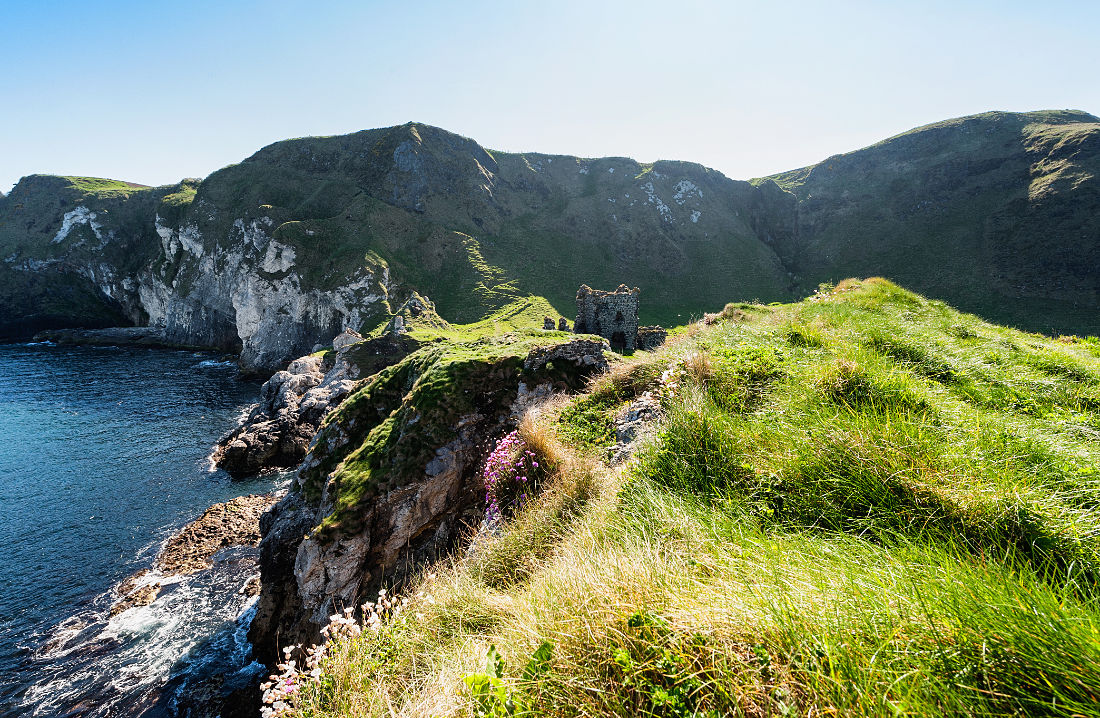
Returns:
<point x="632" y="424"/>
<point x="283" y="528"/>
<point x="277" y="432"/>
<point x="241" y="288"/>
<point x="278" y="429"/>
<point x="409" y="526"/>
<point x="414" y="518"/>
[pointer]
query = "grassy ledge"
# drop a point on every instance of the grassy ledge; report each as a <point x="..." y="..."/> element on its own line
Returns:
<point x="865" y="503"/>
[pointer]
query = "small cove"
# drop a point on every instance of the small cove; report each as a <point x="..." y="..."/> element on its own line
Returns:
<point x="102" y="458"/>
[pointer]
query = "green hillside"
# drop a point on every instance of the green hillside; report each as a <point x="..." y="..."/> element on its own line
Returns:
<point x="996" y="213"/>
<point x="866" y="503"/>
<point x="474" y="229"/>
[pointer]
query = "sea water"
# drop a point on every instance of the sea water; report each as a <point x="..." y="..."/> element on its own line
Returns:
<point x="103" y="457"/>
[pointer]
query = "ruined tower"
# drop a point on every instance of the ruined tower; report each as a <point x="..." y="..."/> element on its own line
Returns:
<point x="612" y="315"/>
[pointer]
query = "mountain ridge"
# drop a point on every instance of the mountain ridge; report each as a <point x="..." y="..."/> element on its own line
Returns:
<point x="279" y="252"/>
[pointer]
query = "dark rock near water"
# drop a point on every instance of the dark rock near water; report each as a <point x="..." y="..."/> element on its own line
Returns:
<point x="233" y="523"/>
<point x="294" y="402"/>
<point x="149" y="337"/>
<point x="283" y="528"/>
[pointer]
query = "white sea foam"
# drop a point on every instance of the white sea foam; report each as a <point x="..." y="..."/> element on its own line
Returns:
<point x="214" y="364"/>
<point x="141" y="648"/>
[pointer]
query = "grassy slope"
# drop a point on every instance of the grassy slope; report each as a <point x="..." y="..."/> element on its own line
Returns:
<point x="994" y="212"/>
<point x="865" y="503"/>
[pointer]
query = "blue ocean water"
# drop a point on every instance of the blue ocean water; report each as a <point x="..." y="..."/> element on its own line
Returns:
<point x="102" y="458"/>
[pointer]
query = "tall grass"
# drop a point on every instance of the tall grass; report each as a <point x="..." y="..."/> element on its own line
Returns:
<point x="864" y="504"/>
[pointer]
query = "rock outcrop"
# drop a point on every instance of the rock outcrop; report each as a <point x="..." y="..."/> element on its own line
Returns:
<point x="233" y="523"/>
<point x="293" y="403"/>
<point x="390" y="483"/>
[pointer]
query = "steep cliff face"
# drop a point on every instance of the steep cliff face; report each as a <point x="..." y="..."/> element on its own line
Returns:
<point x="995" y="212"/>
<point x="390" y="482"/>
<point x="71" y="249"/>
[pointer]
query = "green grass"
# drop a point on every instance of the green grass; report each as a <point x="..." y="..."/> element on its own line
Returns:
<point x="103" y="187"/>
<point x="865" y="504"/>
<point x="522" y="314"/>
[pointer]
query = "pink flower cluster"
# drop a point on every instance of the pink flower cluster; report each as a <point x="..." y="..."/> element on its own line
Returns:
<point x="507" y="473"/>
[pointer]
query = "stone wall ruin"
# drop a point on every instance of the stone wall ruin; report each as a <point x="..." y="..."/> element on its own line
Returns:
<point x="611" y="315"/>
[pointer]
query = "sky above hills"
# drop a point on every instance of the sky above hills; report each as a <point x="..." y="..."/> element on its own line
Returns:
<point x="154" y="92"/>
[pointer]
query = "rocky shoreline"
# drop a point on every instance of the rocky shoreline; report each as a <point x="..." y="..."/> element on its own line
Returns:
<point x="233" y="523"/>
<point x="426" y="511"/>
<point x="146" y="337"/>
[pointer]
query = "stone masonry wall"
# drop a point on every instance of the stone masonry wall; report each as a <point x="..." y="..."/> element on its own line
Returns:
<point x="611" y="315"/>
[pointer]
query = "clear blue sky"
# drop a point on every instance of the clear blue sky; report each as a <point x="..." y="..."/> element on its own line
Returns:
<point x="152" y="92"/>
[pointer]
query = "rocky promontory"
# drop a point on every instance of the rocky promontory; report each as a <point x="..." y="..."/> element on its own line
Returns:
<point x="390" y="483"/>
<point x="293" y="403"/>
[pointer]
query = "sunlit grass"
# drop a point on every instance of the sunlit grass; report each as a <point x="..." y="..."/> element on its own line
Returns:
<point x="863" y="504"/>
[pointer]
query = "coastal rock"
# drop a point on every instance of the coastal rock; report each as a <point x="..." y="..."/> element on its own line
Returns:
<point x="277" y="431"/>
<point x="233" y="523"/>
<point x="148" y="337"/>
<point x="283" y="528"/>
<point x="422" y="508"/>
<point x="408" y="526"/>
<point x="136" y="591"/>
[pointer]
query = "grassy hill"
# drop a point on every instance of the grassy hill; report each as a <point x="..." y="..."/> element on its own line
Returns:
<point x="863" y="503"/>
<point x="474" y="229"/>
<point x="995" y="213"/>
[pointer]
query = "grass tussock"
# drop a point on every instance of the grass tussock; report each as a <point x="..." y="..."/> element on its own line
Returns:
<point x="862" y="504"/>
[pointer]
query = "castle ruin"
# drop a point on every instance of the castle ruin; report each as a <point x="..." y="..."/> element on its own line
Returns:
<point x="611" y="315"/>
<point x="614" y="316"/>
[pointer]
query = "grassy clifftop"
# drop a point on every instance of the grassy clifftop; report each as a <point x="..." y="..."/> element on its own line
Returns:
<point x="866" y="503"/>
